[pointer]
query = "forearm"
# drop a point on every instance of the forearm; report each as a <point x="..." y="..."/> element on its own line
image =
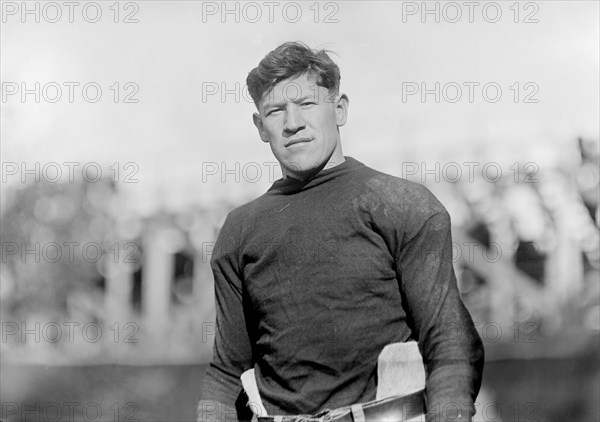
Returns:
<point x="220" y="397"/>
<point x="454" y="367"/>
<point x="451" y="347"/>
<point x="451" y="392"/>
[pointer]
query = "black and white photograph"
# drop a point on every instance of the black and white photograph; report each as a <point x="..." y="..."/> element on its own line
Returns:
<point x="300" y="211"/>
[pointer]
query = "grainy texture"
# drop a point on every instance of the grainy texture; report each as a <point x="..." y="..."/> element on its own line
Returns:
<point x="314" y="278"/>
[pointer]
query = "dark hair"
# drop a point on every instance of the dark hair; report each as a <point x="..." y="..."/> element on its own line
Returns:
<point x="289" y="60"/>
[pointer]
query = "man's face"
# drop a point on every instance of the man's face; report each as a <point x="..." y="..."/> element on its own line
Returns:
<point x="300" y="121"/>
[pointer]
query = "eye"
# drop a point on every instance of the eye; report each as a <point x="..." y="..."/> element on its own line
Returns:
<point x="272" y="111"/>
<point x="307" y="103"/>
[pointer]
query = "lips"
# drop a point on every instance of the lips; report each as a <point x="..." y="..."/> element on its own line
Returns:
<point x="297" y="141"/>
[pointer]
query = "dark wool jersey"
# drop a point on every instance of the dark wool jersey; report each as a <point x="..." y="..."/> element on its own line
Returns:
<point x="314" y="278"/>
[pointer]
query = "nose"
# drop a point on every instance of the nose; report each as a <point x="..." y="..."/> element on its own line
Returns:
<point x="293" y="120"/>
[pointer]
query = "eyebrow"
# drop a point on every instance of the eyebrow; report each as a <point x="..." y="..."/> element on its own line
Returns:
<point x="296" y="101"/>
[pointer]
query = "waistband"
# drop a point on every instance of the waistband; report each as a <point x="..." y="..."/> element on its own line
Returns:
<point x="395" y="408"/>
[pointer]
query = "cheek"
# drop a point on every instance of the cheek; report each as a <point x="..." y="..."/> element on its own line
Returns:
<point x="272" y="133"/>
<point x="327" y="121"/>
<point x="328" y="126"/>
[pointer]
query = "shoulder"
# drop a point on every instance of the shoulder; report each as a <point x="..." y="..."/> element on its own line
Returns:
<point x="242" y="218"/>
<point x="243" y="214"/>
<point x="412" y="200"/>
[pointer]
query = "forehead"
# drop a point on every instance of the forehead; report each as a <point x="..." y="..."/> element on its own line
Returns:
<point x="294" y="89"/>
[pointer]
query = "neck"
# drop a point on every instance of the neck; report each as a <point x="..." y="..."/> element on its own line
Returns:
<point x="334" y="161"/>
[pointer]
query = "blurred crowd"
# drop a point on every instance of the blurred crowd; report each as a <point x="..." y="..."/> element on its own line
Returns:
<point x="526" y="254"/>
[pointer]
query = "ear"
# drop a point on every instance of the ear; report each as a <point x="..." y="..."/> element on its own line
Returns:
<point x="341" y="109"/>
<point x="259" y="125"/>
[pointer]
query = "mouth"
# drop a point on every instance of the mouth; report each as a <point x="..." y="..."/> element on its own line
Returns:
<point x="297" y="141"/>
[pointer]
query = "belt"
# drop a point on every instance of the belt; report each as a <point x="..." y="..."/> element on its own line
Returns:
<point x="395" y="408"/>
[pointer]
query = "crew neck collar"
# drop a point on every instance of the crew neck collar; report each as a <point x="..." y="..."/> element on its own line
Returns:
<point x="292" y="184"/>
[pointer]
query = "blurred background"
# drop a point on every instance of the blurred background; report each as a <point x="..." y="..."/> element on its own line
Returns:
<point x="127" y="137"/>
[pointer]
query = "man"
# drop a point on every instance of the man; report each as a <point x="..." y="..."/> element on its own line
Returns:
<point x="335" y="261"/>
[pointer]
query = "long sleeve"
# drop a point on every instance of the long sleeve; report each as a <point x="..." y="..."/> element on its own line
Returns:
<point x="222" y="398"/>
<point x="451" y="347"/>
<point x="313" y="280"/>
